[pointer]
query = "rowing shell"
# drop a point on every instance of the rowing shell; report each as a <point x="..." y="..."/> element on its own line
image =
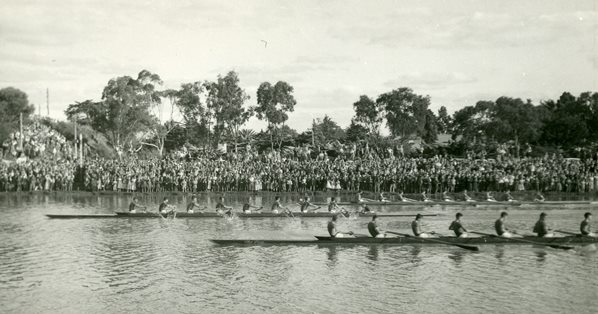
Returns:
<point x="410" y="240"/>
<point x="216" y="215"/>
<point x="476" y="204"/>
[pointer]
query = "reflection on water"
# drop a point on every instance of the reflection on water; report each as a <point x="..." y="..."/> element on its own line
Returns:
<point x="153" y="265"/>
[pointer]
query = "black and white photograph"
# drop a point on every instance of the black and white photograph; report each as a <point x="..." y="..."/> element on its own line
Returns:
<point x="278" y="156"/>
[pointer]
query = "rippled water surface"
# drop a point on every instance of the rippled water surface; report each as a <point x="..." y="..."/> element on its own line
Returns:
<point x="154" y="265"/>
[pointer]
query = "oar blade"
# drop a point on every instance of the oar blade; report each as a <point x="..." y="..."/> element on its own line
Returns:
<point x="468" y="247"/>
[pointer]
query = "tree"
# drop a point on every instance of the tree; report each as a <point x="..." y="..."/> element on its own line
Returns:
<point x="513" y="119"/>
<point x="430" y="134"/>
<point x="571" y="121"/>
<point x="160" y="129"/>
<point x="123" y="112"/>
<point x="444" y="121"/>
<point x="406" y="112"/>
<point x="368" y="114"/>
<point x="325" y="130"/>
<point x="195" y="115"/>
<point x="273" y="105"/>
<point x="471" y="121"/>
<point x="356" y="132"/>
<point x="13" y="102"/>
<point x="225" y="100"/>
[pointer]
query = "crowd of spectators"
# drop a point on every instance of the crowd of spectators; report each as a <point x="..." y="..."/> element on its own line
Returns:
<point x="38" y="140"/>
<point x="298" y="171"/>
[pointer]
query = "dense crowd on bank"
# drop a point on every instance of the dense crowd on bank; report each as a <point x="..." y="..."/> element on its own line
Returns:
<point x="271" y="172"/>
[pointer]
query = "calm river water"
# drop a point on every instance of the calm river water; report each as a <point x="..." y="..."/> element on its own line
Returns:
<point x="169" y="266"/>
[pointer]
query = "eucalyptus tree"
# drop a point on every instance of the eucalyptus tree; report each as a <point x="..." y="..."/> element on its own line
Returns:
<point x="274" y="102"/>
<point x="225" y="102"/>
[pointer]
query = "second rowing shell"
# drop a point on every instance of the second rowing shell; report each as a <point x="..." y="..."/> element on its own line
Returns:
<point x="473" y="203"/>
<point x="216" y="215"/>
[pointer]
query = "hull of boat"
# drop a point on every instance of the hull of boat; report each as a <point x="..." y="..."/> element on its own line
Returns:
<point x="569" y="240"/>
<point x="474" y="204"/>
<point x="215" y="215"/>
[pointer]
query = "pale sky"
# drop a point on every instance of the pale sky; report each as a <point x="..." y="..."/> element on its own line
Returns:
<point x="458" y="52"/>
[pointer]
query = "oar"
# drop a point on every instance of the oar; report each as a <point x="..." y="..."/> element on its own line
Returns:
<point x="569" y="233"/>
<point x="467" y="247"/>
<point x="554" y="246"/>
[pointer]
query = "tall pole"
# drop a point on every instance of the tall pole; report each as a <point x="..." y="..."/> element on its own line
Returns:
<point x="313" y="131"/>
<point x="75" y="140"/>
<point x="21" y="131"/>
<point x="48" y="101"/>
<point x="81" y="149"/>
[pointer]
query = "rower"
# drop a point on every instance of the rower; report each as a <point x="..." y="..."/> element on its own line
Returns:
<point x="467" y="197"/>
<point x="334" y="208"/>
<point x="425" y="197"/>
<point x="541" y="229"/>
<point x="457" y="227"/>
<point x="374" y="230"/>
<point x="193" y="205"/>
<point x="361" y="200"/>
<point x="416" y="227"/>
<point x="221" y="208"/>
<point x="381" y="198"/>
<point x="585" y="227"/>
<point x="366" y="209"/>
<point x="405" y="199"/>
<point x="446" y="197"/>
<point x="499" y="226"/>
<point x="276" y="206"/>
<point x="333" y="205"/>
<point x="247" y="207"/>
<point x="510" y="197"/>
<point x="332" y="229"/>
<point x="539" y="197"/>
<point x="135" y="204"/>
<point x="489" y="197"/>
<point x="166" y="208"/>
<point x="305" y="205"/>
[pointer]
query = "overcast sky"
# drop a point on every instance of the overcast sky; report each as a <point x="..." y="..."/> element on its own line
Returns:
<point x="458" y="52"/>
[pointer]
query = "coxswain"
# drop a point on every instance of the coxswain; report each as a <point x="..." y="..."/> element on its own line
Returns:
<point x="166" y="208"/>
<point x="539" y="197"/>
<point x="374" y="230"/>
<point x="457" y="227"/>
<point x="585" y="227"/>
<point x="541" y="229"/>
<point x="499" y="226"/>
<point x="334" y="232"/>
<point x="191" y="206"/>
<point x="446" y="197"/>
<point x="510" y="197"/>
<point x="305" y="205"/>
<point x="425" y="197"/>
<point x="416" y="227"/>
<point x="222" y="209"/>
<point x="467" y="197"/>
<point x="489" y="197"/>
<point x="135" y="204"/>
<point x="404" y="199"/>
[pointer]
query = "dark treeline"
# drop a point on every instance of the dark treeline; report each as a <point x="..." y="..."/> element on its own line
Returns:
<point x="137" y="115"/>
